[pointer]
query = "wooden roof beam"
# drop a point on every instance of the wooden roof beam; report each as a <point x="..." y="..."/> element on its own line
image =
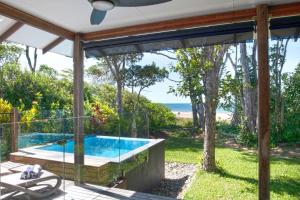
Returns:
<point x="284" y="10"/>
<point x="192" y="22"/>
<point x="23" y="17"/>
<point x="53" y="44"/>
<point x="10" y="31"/>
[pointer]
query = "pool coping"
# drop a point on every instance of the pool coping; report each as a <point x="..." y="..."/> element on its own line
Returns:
<point x="34" y="152"/>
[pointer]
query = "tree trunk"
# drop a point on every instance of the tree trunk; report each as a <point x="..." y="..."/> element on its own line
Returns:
<point x="201" y="114"/>
<point x="235" y="117"/>
<point x="134" y="113"/>
<point x="280" y="57"/>
<point x="211" y="92"/>
<point x="119" y="99"/>
<point x="195" y="116"/>
<point x="32" y="67"/>
<point x="248" y="91"/>
<point x="235" y="120"/>
<point x="211" y="78"/>
<point x="133" y="126"/>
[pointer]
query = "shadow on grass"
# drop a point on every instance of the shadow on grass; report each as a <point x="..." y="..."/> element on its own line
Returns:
<point x="279" y="184"/>
<point x="177" y="143"/>
<point x="253" y="157"/>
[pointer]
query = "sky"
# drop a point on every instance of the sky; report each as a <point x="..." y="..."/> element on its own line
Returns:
<point x="158" y="93"/>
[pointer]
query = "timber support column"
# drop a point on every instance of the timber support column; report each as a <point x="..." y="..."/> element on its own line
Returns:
<point x="263" y="102"/>
<point x="78" y="110"/>
<point x="14" y="130"/>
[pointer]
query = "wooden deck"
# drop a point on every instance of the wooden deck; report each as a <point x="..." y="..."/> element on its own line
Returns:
<point x="68" y="191"/>
<point x="93" y="192"/>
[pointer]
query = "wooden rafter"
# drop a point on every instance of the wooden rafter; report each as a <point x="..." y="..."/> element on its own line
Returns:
<point x="23" y="17"/>
<point x="53" y="44"/>
<point x="10" y="31"/>
<point x="198" y="21"/>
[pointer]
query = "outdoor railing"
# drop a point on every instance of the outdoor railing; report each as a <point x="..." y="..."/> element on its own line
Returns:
<point x="109" y="143"/>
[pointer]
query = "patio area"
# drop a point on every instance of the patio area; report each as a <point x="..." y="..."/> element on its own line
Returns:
<point x="69" y="191"/>
<point x="174" y="24"/>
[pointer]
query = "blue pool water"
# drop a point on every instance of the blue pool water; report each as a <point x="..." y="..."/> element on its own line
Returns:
<point x="33" y="139"/>
<point x="108" y="147"/>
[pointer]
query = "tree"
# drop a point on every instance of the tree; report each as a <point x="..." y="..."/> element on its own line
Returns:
<point x="48" y="71"/>
<point x="249" y="77"/>
<point x="277" y="60"/>
<point x="232" y="89"/>
<point x="32" y="62"/>
<point x="291" y="96"/>
<point x="211" y="60"/>
<point x="67" y="74"/>
<point x="208" y="62"/>
<point x="142" y="77"/>
<point x="116" y="65"/>
<point x="98" y="74"/>
<point x="8" y="54"/>
<point x="190" y="84"/>
<point x="22" y="88"/>
<point x="244" y="89"/>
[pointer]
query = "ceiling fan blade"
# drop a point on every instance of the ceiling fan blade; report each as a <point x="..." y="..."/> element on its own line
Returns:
<point x="136" y="3"/>
<point x="97" y="16"/>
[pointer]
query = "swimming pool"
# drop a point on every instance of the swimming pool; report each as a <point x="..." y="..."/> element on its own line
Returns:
<point x="105" y="158"/>
<point x="33" y="139"/>
<point x="101" y="146"/>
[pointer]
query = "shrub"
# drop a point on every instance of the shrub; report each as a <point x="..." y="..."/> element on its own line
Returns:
<point x="5" y="109"/>
<point x="104" y="119"/>
<point x="160" y="116"/>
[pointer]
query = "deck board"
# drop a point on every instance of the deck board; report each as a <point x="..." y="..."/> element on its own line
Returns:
<point x="93" y="192"/>
<point x="88" y="191"/>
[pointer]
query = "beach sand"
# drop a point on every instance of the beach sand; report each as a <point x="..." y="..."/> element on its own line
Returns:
<point x="189" y="115"/>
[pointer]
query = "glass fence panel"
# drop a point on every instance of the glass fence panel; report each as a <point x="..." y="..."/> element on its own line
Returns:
<point x="113" y="147"/>
<point x="135" y="152"/>
<point x="5" y="136"/>
<point x="29" y="163"/>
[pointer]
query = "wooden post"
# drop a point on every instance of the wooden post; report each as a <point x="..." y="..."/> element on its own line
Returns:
<point x="78" y="110"/>
<point x="263" y="102"/>
<point x="14" y="130"/>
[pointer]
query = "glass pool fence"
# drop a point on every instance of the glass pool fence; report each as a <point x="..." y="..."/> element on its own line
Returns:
<point x="112" y="145"/>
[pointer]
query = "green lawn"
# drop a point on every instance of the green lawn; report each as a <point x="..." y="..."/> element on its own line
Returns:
<point x="237" y="175"/>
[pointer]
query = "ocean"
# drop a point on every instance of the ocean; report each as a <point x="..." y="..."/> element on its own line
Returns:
<point x="187" y="107"/>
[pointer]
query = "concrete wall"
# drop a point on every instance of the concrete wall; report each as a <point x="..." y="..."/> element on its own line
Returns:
<point x="150" y="173"/>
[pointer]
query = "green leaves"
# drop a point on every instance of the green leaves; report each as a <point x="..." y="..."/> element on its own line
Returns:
<point x="5" y="109"/>
<point x="41" y="87"/>
<point x="9" y="53"/>
<point x="291" y="96"/>
<point x="144" y="76"/>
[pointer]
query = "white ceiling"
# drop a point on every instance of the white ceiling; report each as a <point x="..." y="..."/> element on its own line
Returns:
<point x="74" y="15"/>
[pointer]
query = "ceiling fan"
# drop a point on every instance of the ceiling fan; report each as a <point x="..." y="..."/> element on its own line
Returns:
<point x="102" y="6"/>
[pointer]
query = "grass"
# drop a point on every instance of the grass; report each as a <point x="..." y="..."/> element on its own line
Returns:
<point x="184" y="150"/>
<point x="237" y="172"/>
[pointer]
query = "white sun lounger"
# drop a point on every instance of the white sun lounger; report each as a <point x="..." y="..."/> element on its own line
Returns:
<point x="12" y="185"/>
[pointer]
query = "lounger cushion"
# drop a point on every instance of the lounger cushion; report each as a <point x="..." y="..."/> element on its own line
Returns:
<point x="15" y="179"/>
